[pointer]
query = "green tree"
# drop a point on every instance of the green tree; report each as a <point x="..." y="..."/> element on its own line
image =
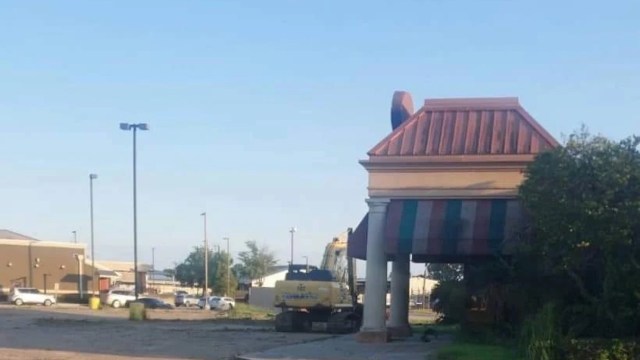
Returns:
<point x="444" y="272"/>
<point x="191" y="271"/>
<point x="583" y="201"/>
<point x="222" y="265"/>
<point x="256" y="261"/>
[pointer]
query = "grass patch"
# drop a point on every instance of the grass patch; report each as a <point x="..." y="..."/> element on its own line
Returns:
<point x="469" y="351"/>
<point x="244" y="311"/>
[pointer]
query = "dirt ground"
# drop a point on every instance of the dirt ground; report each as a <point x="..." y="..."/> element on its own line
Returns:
<point x="60" y="332"/>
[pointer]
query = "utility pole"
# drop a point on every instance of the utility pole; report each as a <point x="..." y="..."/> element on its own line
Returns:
<point x="424" y="293"/>
<point x="306" y="258"/>
<point x="227" y="292"/>
<point x="153" y="264"/>
<point x="206" y="264"/>
<point x="292" y="231"/>
<point x="93" y="257"/>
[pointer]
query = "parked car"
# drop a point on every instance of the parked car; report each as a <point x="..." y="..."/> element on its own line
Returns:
<point x="21" y="296"/>
<point x="185" y="299"/>
<point x="118" y="298"/>
<point x="153" y="303"/>
<point x="218" y="303"/>
<point x="223" y="303"/>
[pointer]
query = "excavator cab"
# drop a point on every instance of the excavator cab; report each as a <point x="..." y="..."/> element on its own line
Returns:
<point x="308" y="273"/>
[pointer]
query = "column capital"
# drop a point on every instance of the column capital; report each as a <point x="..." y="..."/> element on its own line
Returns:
<point x="377" y="204"/>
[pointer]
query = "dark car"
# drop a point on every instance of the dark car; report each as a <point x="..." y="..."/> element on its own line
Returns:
<point x="152" y="303"/>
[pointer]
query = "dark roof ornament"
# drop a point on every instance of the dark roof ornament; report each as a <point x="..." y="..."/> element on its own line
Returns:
<point x="401" y="108"/>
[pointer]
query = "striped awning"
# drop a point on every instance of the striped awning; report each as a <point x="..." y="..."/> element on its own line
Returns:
<point x="445" y="230"/>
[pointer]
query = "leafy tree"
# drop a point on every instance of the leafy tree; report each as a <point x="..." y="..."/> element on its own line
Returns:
<point x="444" y="272"/>
<point x="583" y="201"/>
<point x="256" y="261"/>
<point x="448" y="298"/>
<point x="218" y="274"/>
<point x="191" y="270"/>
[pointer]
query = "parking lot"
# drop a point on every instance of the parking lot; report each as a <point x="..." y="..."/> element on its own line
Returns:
<point x="75" y="332"/>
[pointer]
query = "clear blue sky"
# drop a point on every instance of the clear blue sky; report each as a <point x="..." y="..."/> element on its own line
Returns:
<point x="260" y="110"/>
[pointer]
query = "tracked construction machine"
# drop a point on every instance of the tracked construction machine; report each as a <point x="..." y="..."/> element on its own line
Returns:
<point x="325" y="297"/>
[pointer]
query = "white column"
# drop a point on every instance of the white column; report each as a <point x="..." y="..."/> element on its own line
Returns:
<point x="373" y="324"/>
<point x="400" y="277"/>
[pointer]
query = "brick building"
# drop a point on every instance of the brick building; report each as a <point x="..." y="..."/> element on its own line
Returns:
<point x="54" y="267"/>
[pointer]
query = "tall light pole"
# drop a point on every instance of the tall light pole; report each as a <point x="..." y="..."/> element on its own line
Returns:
<point x="75" y="236"/>
<point x="153" y="264"/>
<point x="135" y="128"/>
<point x="306" y="258"/>
<point x="93" y="257"/>
<point x="292" y="231"/>
<point x="206" y="264"/>
<point x="228" y="267"/>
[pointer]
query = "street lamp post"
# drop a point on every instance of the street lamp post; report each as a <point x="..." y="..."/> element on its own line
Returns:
<point x="135" y="128"/>
<point x="153" y="266"/>
<point x="228" y="268"/>
<point x="306" y="258"/>
<point x="93" y="257"/>
<point x="292" y="231"/>
<point x="206" y="264"/>
<point x="75" y="236"/>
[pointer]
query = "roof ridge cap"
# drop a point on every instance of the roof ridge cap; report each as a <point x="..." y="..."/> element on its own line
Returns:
<point x="472" y="102"/>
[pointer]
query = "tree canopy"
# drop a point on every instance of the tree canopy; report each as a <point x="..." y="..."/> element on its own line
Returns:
<point x="444" y="272"/>
<point x="191" y="271"/>
<point x="255" y="262"/>
<point x="583" y="201"/>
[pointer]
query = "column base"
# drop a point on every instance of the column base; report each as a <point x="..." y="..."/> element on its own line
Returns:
<point x="402" y="331"/>
<point x="373" y="336"/>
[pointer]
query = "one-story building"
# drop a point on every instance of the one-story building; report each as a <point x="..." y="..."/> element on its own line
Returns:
<point x="443" y="188"/>
<point x="62" y="268"/>
<point x="50" y="266"/>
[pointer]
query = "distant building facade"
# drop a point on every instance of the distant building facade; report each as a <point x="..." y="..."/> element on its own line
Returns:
<point x="50" y="266"/>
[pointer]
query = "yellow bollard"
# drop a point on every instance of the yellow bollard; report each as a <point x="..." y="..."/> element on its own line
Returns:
<point x="94" y="303"/>
<point x="137" y="311"/>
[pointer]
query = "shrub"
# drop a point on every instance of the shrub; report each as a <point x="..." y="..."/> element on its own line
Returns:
<point x="451" y="300"/>
<point x="540" y="337"/>
<point x="602" y="349"/>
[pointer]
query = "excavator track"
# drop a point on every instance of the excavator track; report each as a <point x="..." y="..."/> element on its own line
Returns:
<point x="344" y="322"/>
<point x="293" y="321"/>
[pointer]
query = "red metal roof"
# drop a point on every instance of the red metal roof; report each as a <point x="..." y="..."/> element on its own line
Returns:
<point x="477" y="126"/>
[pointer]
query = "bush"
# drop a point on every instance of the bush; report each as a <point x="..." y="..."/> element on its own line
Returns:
<point x="540" y="337"/>
<point x="451" y="300"/>
<point x="602" y="349"/>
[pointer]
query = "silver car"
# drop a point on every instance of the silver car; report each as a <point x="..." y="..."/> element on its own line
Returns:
<point x="184" y="299"/>
<point x="21" y="296"/>
<point x="219" y="303"/>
